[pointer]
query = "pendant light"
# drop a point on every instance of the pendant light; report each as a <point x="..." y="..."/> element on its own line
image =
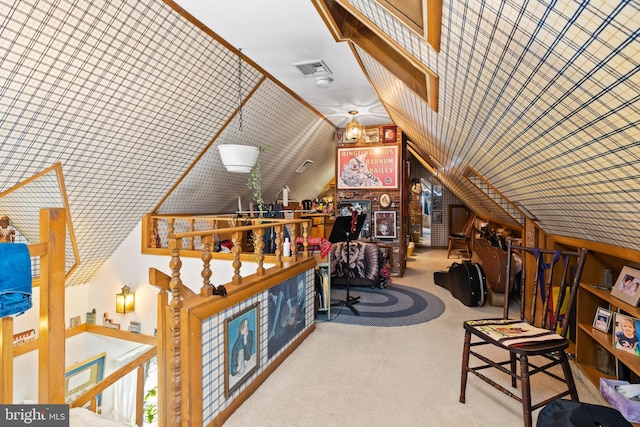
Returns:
<point x="239" y="158"/>
<point x="354" y="128"/>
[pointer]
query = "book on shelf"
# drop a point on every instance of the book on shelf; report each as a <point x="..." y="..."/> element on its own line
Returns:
<point x="513" y="332"/>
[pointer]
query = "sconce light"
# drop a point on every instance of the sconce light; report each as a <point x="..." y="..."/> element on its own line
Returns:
<point x="354" y="128"/>
<point x="125" y="301"/>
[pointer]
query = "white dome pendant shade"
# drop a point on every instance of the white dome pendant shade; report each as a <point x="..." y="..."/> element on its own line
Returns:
<point x="238" y="158"/>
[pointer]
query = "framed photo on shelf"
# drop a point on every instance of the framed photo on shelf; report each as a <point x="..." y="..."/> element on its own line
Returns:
<point x="371" y="135"/>
<point x="83" y="375"/>
<point x="385" y="224"/>
<point x="627" y="287"/>
<point x="602" y="319"/>
<point x="389" y="134"/>
<point x="625" y="333"/>
<point x="241" y="347"/>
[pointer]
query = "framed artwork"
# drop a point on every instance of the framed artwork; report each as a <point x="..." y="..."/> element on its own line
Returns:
<point x="286" y="312"/>
<point x="339" y="135"/>
<point x="81" y="376"/>
<point x="347" y="206"/>
<point x="602" y="319"/>
<point x="385" y="224"/>
<point x="436" y="217"/>
<point x="367" y="167"/>
<point x="371" y="135"/>
<point x="389" y="134"/>
<point x="241" y="347"/>
<point x="436" y="203"/>
<point x="627" y="286"/>
<point x="625" y="333"/>
<point x="385" y="200"/>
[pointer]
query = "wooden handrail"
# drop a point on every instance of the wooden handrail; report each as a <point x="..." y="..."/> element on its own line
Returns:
<point x="92" y="393"/>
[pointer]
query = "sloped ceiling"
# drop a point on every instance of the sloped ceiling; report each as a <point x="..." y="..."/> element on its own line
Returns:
<point x="539" y="99"/>
<point x="132" y="99"/>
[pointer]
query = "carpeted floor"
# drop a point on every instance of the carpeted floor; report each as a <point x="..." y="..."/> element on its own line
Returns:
<point x="395" y="306"/>
<point x="408" y="376"/>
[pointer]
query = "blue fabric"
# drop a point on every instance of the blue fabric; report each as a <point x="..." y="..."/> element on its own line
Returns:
<point x="15" y="279"/>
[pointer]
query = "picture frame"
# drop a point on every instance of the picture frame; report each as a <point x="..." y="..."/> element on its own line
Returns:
<point x="385" y="224"/>
<point x="385" y="200"/>
<point x="367" y="167"/>
<point x="436" y="217"/>
<point x="625" y="333"/>
<point x="389" y="134"/>
<point x="371" y="135"/>
<point x="602" y="319"/>
<point x="241" y="336"/>
<point x="627" y="287"/>
<point x="339" y="135"/>
<point x="81" y="376"/>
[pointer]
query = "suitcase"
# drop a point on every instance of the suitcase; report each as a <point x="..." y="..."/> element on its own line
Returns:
<point x="468" y="283"/>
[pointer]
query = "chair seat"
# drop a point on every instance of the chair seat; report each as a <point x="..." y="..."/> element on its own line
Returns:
<point x="551" y="344"/>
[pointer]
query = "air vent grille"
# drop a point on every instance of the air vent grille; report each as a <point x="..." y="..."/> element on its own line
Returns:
<point x="313" y="68"/>
<point x="304" y="166"/>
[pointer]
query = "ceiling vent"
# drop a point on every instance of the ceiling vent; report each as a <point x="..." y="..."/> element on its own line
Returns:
<point x="313" y="68"/>
<point x="304" y="166"/>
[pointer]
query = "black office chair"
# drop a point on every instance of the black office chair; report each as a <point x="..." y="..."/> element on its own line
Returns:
<point x="503" y="332"/>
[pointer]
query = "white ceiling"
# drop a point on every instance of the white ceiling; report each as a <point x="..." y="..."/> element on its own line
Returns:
<point x="276" y="35"/>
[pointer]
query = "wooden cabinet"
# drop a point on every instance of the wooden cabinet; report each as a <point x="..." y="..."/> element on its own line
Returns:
<point x="594" y="347"/>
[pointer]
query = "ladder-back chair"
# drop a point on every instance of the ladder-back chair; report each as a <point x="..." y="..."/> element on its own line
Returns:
<point x="541" y="311"/>
<point x="463" y="239"/>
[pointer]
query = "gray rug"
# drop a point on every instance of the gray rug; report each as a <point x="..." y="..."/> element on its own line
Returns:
<point x="395" y="306"/>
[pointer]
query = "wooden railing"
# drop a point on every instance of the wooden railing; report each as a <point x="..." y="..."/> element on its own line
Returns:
<point x="170" y="342"/>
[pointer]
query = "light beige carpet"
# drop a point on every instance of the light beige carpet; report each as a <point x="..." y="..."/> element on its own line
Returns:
<point x="345" y="375"/>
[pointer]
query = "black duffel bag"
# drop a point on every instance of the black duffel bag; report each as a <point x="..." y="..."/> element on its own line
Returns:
<point x="567" y="413"/>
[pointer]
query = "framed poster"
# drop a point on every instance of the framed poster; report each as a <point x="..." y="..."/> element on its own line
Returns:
<point x="82" y="376"/>
<point x="241" y="347"/>
<point x="437" y="217"/>
<point x="627" y="287"/>
<point x="385" y="224"/>
<point x="367" y="167"/>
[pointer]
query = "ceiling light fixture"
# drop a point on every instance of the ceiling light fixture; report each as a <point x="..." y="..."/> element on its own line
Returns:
<point x="354" y="128"/>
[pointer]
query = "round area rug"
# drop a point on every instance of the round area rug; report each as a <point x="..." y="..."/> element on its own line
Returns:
<point x="395" y="306"/>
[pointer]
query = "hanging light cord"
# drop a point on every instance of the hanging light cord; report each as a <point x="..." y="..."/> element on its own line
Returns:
<point x="240" y="88"/>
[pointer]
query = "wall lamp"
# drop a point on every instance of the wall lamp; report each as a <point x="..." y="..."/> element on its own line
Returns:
<point x="125" y="301"/>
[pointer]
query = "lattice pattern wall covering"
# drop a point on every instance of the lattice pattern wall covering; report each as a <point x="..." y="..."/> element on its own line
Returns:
<point x="214" y="400"/>
<point x="127" y="96"/>
<point x="541" y="98"/>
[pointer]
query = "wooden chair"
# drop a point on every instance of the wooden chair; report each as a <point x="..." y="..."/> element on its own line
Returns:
<point x="462" y="239"/>
<point x="545" y="314"/>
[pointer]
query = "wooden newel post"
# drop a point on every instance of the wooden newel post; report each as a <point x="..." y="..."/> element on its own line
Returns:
<point x="175" y="305"/>
<point x="51" y="337"/>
